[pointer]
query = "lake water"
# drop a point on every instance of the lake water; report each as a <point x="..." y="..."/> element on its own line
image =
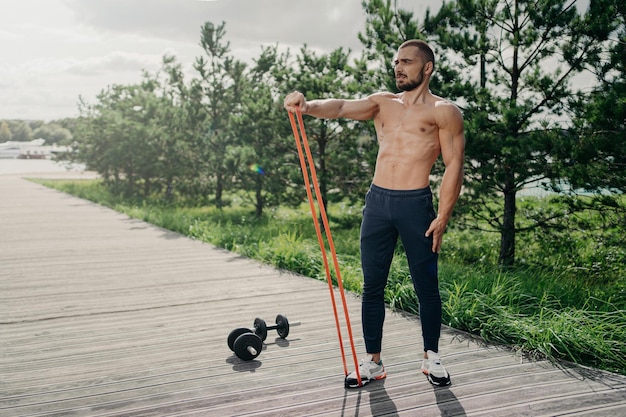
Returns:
<point x="46" y="166"/>
<point x="26" y="166"/>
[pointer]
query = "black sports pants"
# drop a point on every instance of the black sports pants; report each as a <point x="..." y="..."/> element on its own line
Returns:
<point x="387" y="215"/>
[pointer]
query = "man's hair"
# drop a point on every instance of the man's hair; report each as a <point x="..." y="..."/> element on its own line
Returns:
<point x="423" y="47"/>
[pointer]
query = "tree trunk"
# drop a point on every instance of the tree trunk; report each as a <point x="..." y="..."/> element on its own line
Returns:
<point x="219" y="189"/>
<point x="169" y="191"/>
<point x="147" y="185"/>
<point x="259" y="198"/>
<point x="507" y="236"/>
<point x="483" y="71"/>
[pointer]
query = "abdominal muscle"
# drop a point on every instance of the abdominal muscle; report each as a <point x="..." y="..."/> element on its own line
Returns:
<point x="408" y="143"/>
<point x="404" y="162"/>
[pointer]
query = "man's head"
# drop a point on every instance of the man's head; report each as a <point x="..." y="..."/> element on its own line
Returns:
<point x="414" y="64"/>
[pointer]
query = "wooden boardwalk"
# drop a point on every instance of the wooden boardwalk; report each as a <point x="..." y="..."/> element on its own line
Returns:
<point x="103" y="315"/>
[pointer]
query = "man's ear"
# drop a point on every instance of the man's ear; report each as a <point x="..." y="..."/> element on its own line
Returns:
<point x="428" y="68"/>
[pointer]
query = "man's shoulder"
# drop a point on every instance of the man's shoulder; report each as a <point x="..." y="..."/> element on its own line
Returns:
<point x="444" y="105"/>
<point x="382" y="96"/>
<point x="448" y="114"/>
<point x="440" y="101"/>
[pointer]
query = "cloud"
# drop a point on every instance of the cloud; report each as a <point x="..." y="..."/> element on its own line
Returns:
<point x="326" y="24"/>
<point x="116" y="62"/>
<point x="160" y="18"/>
<point x="96" y="66"/>
<point x="50" y="88"/>
<point x="57" y="50"/>
<point x="8" y="36"/>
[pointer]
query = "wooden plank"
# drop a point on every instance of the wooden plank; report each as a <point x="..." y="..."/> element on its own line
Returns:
<point x="102" y="315"/>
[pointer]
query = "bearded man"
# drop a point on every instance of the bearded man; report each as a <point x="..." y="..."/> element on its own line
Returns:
<point x="413" y="127"/>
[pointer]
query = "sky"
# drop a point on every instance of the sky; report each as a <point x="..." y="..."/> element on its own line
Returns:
<point x="55" y="51"/>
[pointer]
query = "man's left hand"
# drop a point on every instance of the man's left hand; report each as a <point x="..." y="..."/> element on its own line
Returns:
<point x="436" y="229"/>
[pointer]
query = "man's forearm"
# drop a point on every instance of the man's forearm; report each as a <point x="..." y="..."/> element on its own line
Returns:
<point x="324" y="109"/>
<point x="449" y="191"/>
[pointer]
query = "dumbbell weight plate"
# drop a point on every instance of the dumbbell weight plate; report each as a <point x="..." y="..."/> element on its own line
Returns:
<point x="282" y="326"/>
<point x="235" y="334"/>
<point x="248" y="346"/>
<point x="260" y="328"/>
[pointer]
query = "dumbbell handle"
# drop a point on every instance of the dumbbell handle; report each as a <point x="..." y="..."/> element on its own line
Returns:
<point x="274" y="327"/>
<point x="252" y="350"/>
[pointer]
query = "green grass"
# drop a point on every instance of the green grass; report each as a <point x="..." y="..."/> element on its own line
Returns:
<point x="567" y="301"/>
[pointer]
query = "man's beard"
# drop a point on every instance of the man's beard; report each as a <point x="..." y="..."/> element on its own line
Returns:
<point x="412" y="84"/>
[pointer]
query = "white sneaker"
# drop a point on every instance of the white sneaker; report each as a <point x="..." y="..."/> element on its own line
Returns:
<point x="434" y="370"/>
<point x="369" y="371"/>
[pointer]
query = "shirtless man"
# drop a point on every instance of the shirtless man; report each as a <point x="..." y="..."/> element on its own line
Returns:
<point x="413" y="128"/>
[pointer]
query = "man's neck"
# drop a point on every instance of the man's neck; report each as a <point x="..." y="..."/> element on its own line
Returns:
<point x="418" y="95"/>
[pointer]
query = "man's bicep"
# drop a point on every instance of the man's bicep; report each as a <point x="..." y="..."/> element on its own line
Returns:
<point x="359" y="109"/>
<point x="452" y="137"/>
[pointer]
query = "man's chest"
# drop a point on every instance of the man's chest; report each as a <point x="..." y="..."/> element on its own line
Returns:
<point x="415" y="124"/>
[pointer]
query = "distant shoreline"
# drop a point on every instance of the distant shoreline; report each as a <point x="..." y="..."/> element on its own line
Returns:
<point x="42" y="166"/>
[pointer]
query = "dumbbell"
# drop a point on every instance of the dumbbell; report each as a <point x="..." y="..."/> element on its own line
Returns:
<point x="245" y="343"/>
<point x="282" y="327"/>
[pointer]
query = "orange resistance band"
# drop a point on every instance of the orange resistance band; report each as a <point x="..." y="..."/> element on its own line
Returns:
<point x="300" y="143"/>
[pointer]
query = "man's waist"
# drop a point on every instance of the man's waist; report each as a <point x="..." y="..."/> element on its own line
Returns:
<point x="417" y="192"/>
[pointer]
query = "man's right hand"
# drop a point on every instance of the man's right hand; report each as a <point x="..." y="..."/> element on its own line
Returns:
<point x="294" y="100"/>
